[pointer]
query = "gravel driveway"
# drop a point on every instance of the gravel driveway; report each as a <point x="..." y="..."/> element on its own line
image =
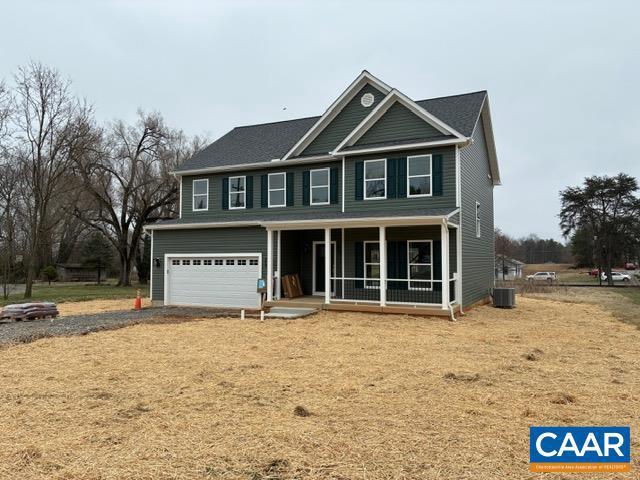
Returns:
<point x="28" y="331"/>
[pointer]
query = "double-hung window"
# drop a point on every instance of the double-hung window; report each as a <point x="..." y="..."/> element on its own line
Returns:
<point x="320" y="187"/>
<point x="478" y="219"/>
<point x="200" y="195"/>
<point x="237" y="192"/>
<point x="372" y="264"/>
<point x="277" y="189"/>
<point x="420" y="253"/>
<point x="419" y="183"/>
<point x="375" y="179"/>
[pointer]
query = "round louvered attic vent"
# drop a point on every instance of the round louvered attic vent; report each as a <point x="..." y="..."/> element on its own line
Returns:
<point x="367" y="100"/>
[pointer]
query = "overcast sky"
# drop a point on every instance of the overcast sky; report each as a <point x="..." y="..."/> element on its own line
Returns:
<point x="563" y="77"/>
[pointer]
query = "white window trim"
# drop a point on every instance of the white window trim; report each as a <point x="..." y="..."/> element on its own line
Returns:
<point x="269" y="190"/>
<point x="430" y="175"/>
<point x="364" y="260"/>
<point x="244" y="192"/>
<point x="194" y="195"/>
<point x="409" y="242"/>
<point x="364" y="179"/>
<point x="327" y="186"/>
<point x="478" y="229"/>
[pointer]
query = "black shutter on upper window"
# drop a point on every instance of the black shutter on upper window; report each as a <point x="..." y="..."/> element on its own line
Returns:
<point x="333" y="187"/>
<point x="264" y="191"/>
<point x="402" y="177"/>
<point x="391" y="177"/>
<point x="249" y="190"/>
<point x="290" y="189"/>
<point x="359" y="166"/>
<point x="306" y="186"/>
<point x="437" y="175"/>
<point x="225" y="193"/>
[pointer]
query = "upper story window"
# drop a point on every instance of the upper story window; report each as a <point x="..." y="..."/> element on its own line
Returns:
<point x="419" y="176"/>
<point x="375" y="179"/>
<point x="320" y="187"/>
<point x="200" y="195"/>
<point x="237" y="192"/>
<point x="277" y="190"/>
<point x="478" y="219"/>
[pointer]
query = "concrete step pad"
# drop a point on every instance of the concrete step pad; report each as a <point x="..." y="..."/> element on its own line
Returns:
<point x="289" y="312"/>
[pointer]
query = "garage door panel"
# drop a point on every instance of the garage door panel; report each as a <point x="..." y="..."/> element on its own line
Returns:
<point x="214" y="281"/>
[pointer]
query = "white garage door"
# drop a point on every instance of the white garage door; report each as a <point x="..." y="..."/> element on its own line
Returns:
<point x="214" y="281"/>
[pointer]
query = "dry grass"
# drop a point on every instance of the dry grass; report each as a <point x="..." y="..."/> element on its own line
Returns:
<point x="98" y="306"/>
<point x="340" y="396"/>
<point x="547" y="267"/>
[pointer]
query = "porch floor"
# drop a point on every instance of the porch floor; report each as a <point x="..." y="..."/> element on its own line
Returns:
<point x="315" y="301"/>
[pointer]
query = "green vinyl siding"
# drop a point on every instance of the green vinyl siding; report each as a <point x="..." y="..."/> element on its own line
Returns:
<point x="201" y="241"/>
<point x="478" y="254"/>
<point x="399" y="123"/>
<point x="216" y="212"/>
<point x="348" y="119"/>
<point x="394" y="206"/>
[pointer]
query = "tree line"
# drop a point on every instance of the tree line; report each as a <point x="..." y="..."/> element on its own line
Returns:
<point x="64" y="176"/>
<point x="532" y="249"/>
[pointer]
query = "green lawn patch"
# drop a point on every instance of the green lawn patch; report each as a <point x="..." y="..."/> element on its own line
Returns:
<point x="76" y="292"/>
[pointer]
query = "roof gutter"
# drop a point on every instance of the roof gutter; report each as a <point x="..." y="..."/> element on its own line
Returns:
<point x="277" y="163"/>
<point x="313" y="223"/>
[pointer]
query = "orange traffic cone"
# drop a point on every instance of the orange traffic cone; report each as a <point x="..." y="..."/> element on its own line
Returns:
<point x="138" y="303"/>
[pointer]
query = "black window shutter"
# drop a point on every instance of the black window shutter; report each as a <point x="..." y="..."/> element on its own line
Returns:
<point x="333" y="182"/>
<point x="289" y="189"/>
<point x="225" y="193"/>
<point x="391" y="177"/>
<point x="402" y="177"/>
<point x="437" y="264"/>
<point x="249" y="190"/>
<point x="264" y="191"/>
<point x="437" y="175"/>
<point x="359" y="166"/>
<point x="359" y="263"/>
<point x="306" y="186"/>
<point x="402" y="265"/>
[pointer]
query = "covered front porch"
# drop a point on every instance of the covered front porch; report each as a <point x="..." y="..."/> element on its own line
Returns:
<point x="393" y="266"/>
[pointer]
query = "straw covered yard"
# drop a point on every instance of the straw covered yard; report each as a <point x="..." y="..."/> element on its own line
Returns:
<point x="335" y="395"/>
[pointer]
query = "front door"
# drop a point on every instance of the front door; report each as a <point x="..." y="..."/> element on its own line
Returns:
<point x="319" y="265"/>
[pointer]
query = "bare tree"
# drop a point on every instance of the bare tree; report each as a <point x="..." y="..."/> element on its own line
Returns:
<point x="49" y="122"/>
<point x="129" y="182"/>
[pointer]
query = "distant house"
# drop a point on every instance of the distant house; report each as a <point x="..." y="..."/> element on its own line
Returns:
<point x="76" y="272"/>
<point x="508" y="268"/>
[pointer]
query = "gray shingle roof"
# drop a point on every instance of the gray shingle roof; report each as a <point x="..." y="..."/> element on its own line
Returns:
<point x="260" y="216"/>
<point x="268" y="141"/>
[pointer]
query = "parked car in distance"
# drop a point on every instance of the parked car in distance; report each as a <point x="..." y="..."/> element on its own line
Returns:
<point x="630" y="266"/>
<point x="594" y="272"/>
<point x="617" y="277"/>
<point x="542" y="277"/>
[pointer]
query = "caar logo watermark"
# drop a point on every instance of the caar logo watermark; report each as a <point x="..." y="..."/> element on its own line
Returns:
<point x="579" y="449"/>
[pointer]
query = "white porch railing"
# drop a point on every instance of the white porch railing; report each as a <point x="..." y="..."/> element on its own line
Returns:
<point x="399" y="290"/>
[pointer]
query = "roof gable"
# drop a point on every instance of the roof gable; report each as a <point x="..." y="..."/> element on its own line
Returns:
<point x="336" y="107"/>
<point x="431" y="127"/>
<point x="397" y="124"/>
<point x="346" y="120"/>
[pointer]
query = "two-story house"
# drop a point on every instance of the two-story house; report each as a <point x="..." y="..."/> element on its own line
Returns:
<point x="382" y="203"/>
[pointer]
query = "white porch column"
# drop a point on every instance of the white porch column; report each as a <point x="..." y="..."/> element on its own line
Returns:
<point x="327" y="265"/>
<point x="269" y="265"/>
<point x="444" y="241"/>
<point x="279" y="267"/>
<point x="383" y="265"/>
